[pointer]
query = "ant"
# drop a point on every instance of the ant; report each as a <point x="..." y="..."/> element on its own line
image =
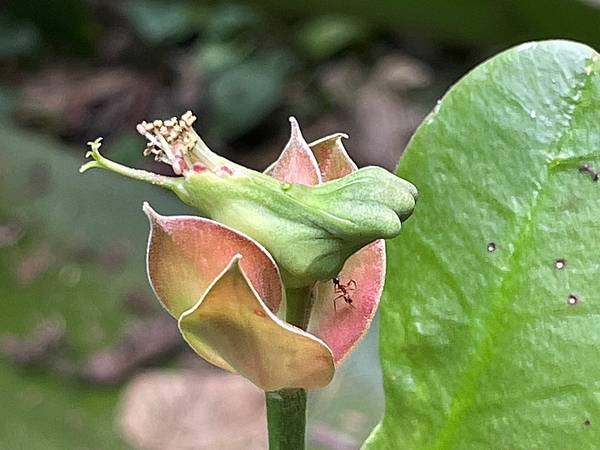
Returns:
<point x="344" y="291"/>
<point x="586" y="168"/>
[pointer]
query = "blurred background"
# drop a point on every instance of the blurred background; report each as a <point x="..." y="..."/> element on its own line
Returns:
<point x="88" y="360"/>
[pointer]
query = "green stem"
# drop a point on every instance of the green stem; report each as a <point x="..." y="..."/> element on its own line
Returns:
<point x="286" y="408"/>
<point x="298" y="305"/>
<point x="101" y="162"/>
<point x="286" y="418"/>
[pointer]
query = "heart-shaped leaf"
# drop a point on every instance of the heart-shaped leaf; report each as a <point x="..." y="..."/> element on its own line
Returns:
<point x="490" y="328"/>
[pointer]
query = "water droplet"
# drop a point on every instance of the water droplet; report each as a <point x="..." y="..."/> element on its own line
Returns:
<point x="286" y="186"/>
<point x="491" y="247"/>
<point x="533" y="114"/>
<point x="553" y="80"/>
<point x="560" y="264"/>
<point x="572" y="299"/>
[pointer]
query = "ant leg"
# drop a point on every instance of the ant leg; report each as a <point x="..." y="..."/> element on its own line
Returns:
<point x="351" y="283"/>
<point x="335" y="302"/>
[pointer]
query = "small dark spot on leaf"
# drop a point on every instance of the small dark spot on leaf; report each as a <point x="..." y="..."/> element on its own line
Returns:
<point x="560" y="263"/>
<point x="587" y="422"/>
<point x="572" y="299"/>
<point x="491" y="247"/>
<point x="587" y="168"/>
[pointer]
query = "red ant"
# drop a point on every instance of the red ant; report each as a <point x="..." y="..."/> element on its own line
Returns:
<point x="344" y="291"/>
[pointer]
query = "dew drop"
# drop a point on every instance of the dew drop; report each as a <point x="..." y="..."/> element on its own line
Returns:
<point x="560" y="264"/>
<point x="286" y="186"/>
<point x="491" y="247"/>
<point x="572" y="299"/>
<point x="533" y="114"/>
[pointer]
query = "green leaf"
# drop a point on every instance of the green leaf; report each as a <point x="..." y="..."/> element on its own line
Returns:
<point x="483" y="349"/>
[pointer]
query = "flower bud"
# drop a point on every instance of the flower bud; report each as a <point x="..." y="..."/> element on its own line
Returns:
<point x="309" y="230"/>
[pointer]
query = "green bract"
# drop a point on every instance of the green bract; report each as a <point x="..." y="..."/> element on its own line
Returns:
<point x="310" y="230"/>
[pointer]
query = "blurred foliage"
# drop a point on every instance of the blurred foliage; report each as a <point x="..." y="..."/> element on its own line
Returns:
<point x="63" y="218"/>
<point x="324" y="36"/>
<point x="246" y="93"/>
<point x="66" y="24"/>
<point x="159" y="22"/>
<point x="17" y="38"/>
<point x="472" y="22"/>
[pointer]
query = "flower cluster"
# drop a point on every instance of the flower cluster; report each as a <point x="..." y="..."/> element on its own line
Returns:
<point x="283" y="275"/>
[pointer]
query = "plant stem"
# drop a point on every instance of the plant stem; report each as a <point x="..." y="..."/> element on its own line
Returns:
<point x="103" y="163"/>
<point x="286" y="418"/>
<point x="298" y="306"/>
<point x="286" y="408"/>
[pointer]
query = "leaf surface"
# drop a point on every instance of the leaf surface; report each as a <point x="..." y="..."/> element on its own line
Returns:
<point x="490" y="328"/>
